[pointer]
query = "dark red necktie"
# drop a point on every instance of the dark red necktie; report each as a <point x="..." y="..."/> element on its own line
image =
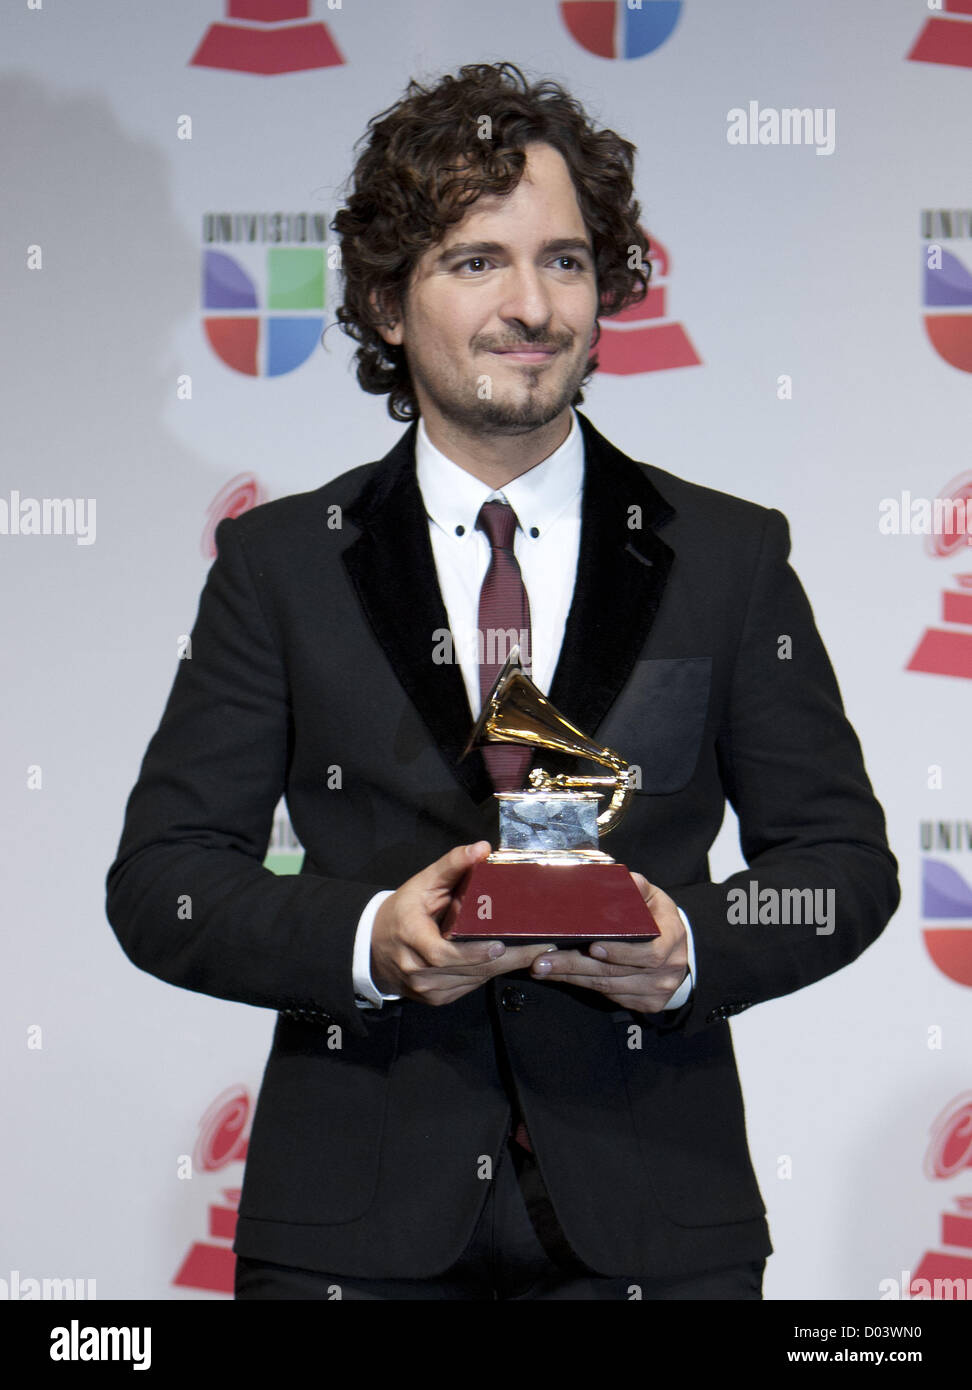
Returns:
<point x="503" y="605"/>
<point x="504" y="621"/>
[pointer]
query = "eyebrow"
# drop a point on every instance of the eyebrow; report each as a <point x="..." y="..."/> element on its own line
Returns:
<point x="493" y="248"/>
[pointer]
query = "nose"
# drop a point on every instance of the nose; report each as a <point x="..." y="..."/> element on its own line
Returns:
<point x="526" y="299"/>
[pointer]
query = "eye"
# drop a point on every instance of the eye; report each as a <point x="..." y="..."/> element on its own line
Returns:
<point x="572" y="263"/>
<point x="476" y="261"/>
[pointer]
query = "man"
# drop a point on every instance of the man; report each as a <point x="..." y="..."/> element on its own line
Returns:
<point x="445" y="1120"/>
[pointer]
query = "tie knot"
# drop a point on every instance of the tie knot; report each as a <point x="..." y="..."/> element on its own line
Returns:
<point x="498" y="520"/>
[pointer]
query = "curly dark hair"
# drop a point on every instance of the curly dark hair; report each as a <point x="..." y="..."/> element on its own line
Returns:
<point x="426" y="161"/>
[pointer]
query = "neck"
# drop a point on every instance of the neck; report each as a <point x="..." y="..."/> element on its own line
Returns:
<point x="496" y="459"/>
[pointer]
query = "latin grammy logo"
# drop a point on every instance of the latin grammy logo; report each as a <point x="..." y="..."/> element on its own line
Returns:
<point x="947" y="651"/>
<point x="267" y="37"/>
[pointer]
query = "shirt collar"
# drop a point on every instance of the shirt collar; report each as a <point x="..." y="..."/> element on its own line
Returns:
<point x="454" y="497"/>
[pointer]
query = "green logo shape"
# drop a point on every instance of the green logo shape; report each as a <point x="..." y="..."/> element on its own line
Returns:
<point x="284" y="861"/>
<point x="295" y="278"/>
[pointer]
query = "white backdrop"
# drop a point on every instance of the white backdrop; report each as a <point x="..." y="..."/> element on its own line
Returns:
<point x="783" y="262"/>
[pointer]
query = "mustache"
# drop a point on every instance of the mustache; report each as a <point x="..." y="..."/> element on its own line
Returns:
<point x="538" y="341"/>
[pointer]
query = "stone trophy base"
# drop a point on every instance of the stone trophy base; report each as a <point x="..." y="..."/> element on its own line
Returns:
<point x="574" y="903"/>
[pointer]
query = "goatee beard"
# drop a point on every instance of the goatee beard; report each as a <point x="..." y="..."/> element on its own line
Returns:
<point x="489" y="416"/>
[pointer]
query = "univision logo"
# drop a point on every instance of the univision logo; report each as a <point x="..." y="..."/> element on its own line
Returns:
<point x="946" y="909"/>
<point x="263" y="304"/>
<point x="620" y="28"/>
<point x="947" y="283"/>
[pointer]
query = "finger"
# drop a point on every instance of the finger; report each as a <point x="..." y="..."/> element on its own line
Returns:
<point x="412" y="928"/>
<point x="423" y="935"/>
<point x="498" y="959"/>
<point x="612" y="985"/>
<point x="446" y="872"/>
<point x="522" y="957"/>
<point x="570" y="964"/>
<point x="433" y="984"/>
<point x="656" y="899"/>
<point x="429" y="985"/>
<point x="643" y="954"/>
<point x="629" y="991"/>
<point x="658" y="902"/>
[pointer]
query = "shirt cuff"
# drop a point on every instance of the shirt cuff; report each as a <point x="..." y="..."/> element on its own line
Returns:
<point x="367" y="995"/>
<point x="684" y="991"/>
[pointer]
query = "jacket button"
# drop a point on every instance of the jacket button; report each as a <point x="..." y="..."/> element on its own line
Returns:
<point x="512" y="999"/>
<point x="725" y="1011"/>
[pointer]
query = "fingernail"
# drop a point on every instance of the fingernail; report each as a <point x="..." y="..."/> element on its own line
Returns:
<point x="496" y="950"/>
<point x="541" y="967"/>
<point x="598" y="951"/>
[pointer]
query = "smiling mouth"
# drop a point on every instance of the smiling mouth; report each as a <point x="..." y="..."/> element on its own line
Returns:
<point x="525" y="354"/>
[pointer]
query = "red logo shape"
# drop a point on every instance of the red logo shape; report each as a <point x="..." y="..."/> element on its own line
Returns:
<point x="946" y="898"/>
<point x="948" y="651"/>
<point x="951" y="950"/>
<point x="238" y="496"/>
<point x="592" y="26"/>
<point x="949" y="1153"/>
<point x="944" y="1269"/>
<point x="222" y="1140"/>
<point x="947" y="41"/>
<point x="639" y="339"/>
<point x="236" y="341"/>
<point x="950" y="1149"/>
<point x="950" y="336"/>
<point x="274" y="44"/>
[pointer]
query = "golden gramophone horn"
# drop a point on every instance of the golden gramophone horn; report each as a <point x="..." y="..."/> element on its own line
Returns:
<point x="517" y="711"/>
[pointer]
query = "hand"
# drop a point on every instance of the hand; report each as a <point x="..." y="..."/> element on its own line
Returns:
<point x="639" y="975"/>
<point x="410" y="956"/>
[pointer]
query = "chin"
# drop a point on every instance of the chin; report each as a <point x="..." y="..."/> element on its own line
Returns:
<point x="514" y="417"/>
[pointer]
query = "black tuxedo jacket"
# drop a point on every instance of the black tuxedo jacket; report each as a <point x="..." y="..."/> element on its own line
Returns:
<point x="313" y="650"/>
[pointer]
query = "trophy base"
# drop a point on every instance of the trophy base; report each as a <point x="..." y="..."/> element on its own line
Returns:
<point x="531" y="903"/>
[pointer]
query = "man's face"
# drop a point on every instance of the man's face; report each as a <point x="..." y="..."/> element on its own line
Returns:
<point x="498" y="316"/>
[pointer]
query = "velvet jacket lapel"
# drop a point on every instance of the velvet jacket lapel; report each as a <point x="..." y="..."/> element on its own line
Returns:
<point x="622" y="568"/>
<point x="621" y="574"/>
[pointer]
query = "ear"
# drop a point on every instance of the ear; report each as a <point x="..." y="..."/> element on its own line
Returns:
<point x="392" y="329"/>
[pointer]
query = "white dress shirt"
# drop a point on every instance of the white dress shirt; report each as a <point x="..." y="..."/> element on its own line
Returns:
<point x="547" y="502"/>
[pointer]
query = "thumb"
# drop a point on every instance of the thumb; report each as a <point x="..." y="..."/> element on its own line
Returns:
<point x="447" y="871"/>
<point x="645" y="888"/>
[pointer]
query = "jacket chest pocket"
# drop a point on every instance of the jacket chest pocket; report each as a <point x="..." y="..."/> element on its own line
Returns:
<point x="657" y="722"/>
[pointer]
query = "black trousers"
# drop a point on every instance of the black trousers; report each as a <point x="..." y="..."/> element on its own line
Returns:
<point x="517" y="1252"/>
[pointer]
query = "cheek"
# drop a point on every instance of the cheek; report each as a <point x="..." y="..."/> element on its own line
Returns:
<point x="581" y="316"/>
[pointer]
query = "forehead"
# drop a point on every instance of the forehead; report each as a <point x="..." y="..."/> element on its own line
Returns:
<point x="544" y="200"/>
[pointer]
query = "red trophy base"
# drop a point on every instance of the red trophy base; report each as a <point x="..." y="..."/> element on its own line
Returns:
<point x="525" y="903"/>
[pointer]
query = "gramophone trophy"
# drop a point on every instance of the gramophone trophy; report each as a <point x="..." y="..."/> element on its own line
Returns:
<point x="549" y="880"/>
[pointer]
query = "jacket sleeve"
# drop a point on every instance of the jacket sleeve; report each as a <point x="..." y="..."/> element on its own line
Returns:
<point x="792" y="769"/>
<point x="188" y="896"/>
